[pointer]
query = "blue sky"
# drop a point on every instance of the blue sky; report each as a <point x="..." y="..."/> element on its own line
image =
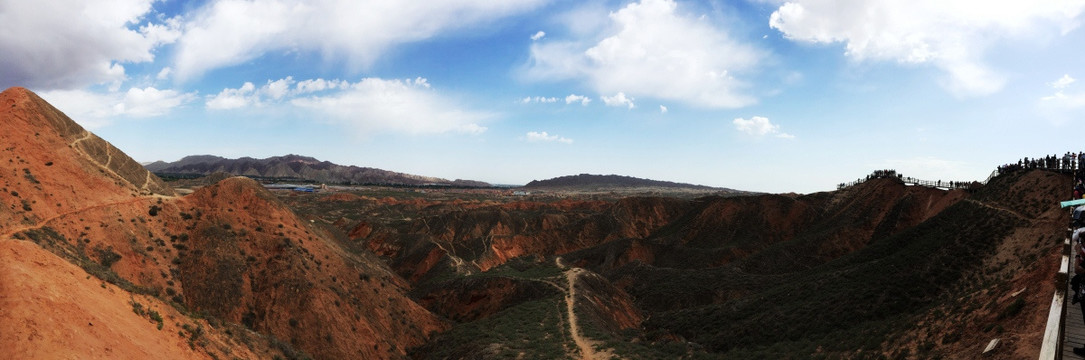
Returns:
<point x="760" y="95"/>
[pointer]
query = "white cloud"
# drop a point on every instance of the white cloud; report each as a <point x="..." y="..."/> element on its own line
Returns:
<point x="534" y="136"/>
<point x="164" y="73"/>
<point x="316" y="85"/>
<point x="951" y="35"/>
<point x="65" y="44"/>
<point x="538" y="99"/>
<point x="1063" y="105"/>
<point x="90" y="109"/>
<point x="404" y="106"/>
<point x="572" y="98"/>
<point x="97" y="109"/>
<point x="650" y="49"/>
<point x="538" y="35"/>
<point x="760" y="126"/>
<point x="166" y="33"/>
<point x="662" y="109"/>
<point x="278" y="88"/>
<point x="1063" y="82"/>
<point x="230" y="32"/>
<point x="618" y="100"/>
<point x="275" y="90"/>
<point x="149" y="101"/>
<point x="234" y="98"/>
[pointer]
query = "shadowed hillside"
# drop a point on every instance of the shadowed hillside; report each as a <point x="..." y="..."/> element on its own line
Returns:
<point x="873" y="270"/>
<point x="296" y="168"/>
<point x="588" y="180"/>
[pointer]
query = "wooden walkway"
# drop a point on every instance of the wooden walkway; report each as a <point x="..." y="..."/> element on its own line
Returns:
<point x="1074" y="326"/>
<point x="1075" y="331"/>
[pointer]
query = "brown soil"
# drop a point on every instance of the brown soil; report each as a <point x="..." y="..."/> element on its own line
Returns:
<point x="230" y="250"/>
<point x="54" y="310"/>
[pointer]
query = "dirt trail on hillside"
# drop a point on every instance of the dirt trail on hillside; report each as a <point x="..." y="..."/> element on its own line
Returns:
<point x="18" y="229"/>
<point x="587" y="352"/>
<point x="997" y="208"/>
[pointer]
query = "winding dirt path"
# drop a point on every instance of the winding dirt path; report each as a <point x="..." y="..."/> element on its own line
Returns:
<point x="998" y="208"/>
<point x="587" y="352"/>
<point x="86" y="135"/>
<point x="7" y="233"/>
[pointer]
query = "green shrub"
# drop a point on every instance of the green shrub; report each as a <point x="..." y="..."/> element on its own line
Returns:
<point x="107" y="257"/>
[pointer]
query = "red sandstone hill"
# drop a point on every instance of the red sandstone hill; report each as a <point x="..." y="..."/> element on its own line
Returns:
<point x="266" y="282"/>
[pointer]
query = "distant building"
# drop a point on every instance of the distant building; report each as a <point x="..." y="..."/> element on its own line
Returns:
<point x="521" y="193"/>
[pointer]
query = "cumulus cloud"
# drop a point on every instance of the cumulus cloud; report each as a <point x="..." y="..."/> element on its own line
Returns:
<point x="404" y="106"/>
<point x="66" y="44"/>
<point x="275" y="90"/>
<point x="149" y="101"/>
<point x="164" y="73"/>
<point x="618" y="100"/>
<point x="315" y="85"/>
<point x="1063" y="82"/>
<point x="234" y="98"/>
<point x="759" y="126"/>
<point x="1060" y="97"/>
<point x="534" y="136"/>
<point x="92" y="110"/>
<point x="572" y="98"/>
<point x="1065" y="103"/>
<point x="538" y="35"/>
<point x="97" y="109"/>
<point x="650" y="49"/>
<point x="538" y="99"/>
<point x="230" y="32"/>
<point x="949" y="35"/>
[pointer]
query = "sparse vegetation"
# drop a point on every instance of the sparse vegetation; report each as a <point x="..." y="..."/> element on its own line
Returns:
<point x="106" y="256"/>
<point x="151" y="314"/>
<point x="533" y="328"/>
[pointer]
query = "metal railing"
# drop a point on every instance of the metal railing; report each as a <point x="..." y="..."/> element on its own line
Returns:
<point x="917" y="182"/>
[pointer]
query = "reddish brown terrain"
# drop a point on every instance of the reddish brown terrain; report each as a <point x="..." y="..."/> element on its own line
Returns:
<point x="706" y="271"/>
<point x="102" y="259"/>
<point x="230" y="252"/>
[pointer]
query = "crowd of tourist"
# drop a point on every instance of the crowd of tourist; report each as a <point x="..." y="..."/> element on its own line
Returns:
<point x="1067" y="162"/>
<point x="1070" y="162"/>
<point x="1077" y="222"/>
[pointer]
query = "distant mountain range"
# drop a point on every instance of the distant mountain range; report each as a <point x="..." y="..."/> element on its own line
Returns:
<point x="589" y="181"/>
<point x="299" y="168"/>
